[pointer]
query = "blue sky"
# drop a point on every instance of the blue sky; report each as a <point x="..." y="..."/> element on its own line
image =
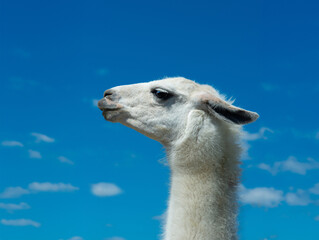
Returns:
<point x="66" y="173"/>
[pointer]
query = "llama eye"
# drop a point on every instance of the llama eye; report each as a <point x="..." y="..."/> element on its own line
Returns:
<point x="161" y="94"/>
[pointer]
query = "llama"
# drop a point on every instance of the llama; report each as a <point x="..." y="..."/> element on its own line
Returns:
<point x="199" y="130"/>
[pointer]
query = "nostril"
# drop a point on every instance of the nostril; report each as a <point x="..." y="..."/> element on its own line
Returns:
<point x="108" y="92"/>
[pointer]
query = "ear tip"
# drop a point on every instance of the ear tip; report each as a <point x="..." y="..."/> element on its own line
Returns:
<point x="254" y="116"/>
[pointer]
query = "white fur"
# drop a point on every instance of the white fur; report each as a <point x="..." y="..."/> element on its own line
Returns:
<point x="202" y="151"/>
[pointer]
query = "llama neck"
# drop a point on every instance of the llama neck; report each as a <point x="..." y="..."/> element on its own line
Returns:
<point x="202" y="203"/>
<point x="204" y="176"/>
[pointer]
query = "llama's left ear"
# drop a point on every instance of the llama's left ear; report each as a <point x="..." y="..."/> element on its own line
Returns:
<point x="226" y="111"/>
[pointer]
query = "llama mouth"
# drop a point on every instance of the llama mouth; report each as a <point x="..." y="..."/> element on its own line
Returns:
<point x="107" y="105"/>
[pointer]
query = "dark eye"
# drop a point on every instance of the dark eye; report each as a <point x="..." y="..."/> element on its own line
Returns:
<point x="161" y="94"/>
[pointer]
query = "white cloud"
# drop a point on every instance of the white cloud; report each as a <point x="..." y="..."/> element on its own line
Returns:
<point x="42" y="138"/>
<point x="317" y="135"/>
<point x="51" y="187"/>
<point x="315" y="189"/>
<point x="36" y="187"/>
<point x="246" y="137"/>
<point x="10" y="207"/>
<point x="261" y="196"/>
<point x="34" y="154"/>
<point x="65" y="160"/>
<point x="290" y="165"/>
<point x="11" y="144"/>
<point x="115" y="238"/>
<point x="76" y="238"/>
<point x="317" y="218"/>
<point x="273" y="170"/>
<point x="20" y="222"/>
<point x="245" y="147"/>
<point x="270" y="237"/>
<point x="261" y="134"/>
<point x="270" y="197"/>
<point x="300" y="198"/>
<point x="104" y="189"/>
<point x="14" y="192"/>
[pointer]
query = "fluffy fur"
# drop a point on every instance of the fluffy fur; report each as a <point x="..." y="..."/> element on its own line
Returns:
<point x="199" y="130"/>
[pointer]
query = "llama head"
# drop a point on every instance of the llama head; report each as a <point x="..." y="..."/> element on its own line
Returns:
<point x="161" y="109"/>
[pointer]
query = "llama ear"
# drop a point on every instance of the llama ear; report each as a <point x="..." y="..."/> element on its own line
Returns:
<point x="226" y="111"/>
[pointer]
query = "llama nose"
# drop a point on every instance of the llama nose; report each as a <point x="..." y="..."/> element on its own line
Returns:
<point x="108" y="92"/>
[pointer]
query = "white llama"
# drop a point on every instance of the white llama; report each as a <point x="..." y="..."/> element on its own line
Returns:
<point x="199" y="130"/>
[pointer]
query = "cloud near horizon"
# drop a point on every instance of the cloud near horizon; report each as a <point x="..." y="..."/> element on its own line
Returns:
<point x="290" y="165"/>
<point x="300" y="198"/>
<point x="271" y="197"/>
<point x="104" y="189"/>
<point x="36" y="187"/>
<point x="8" y="143"/>
<point x="10" y="207"/>
<point x="261" y="196"/>
<point x="76" y="238"/>
<point x="34" y="154"/>
<point x="20" y="222"/>
<point x="315" y="189"/>
<point x="115" y="238"/>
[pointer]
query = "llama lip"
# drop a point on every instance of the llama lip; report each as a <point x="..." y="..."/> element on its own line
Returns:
<point x="106" y="104"/>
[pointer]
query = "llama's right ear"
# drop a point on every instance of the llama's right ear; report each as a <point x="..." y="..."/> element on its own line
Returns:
<point x="225" y="111"/>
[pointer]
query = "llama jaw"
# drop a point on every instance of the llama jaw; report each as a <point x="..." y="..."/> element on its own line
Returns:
<point x="110" y="109"/>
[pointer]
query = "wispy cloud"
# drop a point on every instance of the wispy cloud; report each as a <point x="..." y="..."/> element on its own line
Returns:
<point x="317" y="218"/>
<point x="315" y="189"/>
<point x="34" y="154"/>
<point x="10" y="207"/>
<point x="20" y="222"/>
<point x="65" y="160"/>
<point x="14" y="192"/>
<point x="317" y="135"/>
<point x="11" y="143"/>
<point x="261" y="196"/>
<point x="104" y="189"/>
<point x="261" y="134"/>
<point x="246" y="137"/>
<point x="51" y="187"/>
<point x="39" y="137"/>
<point x="299" y="198"/>
<point x="115" y="238"/>
<point x="36" y="187"/>
<point x="290" y="165"/>
<point x="270" y="237"/>
<point x="76" y="238"/>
